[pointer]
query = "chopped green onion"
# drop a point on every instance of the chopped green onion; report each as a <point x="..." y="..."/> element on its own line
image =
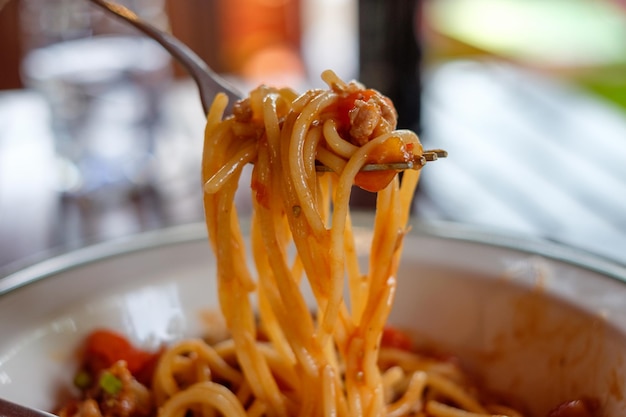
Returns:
<point x="110" y="383"/>
<point x="82" y="380"/>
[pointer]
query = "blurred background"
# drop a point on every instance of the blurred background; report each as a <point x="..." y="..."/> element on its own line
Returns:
<point x="101" y="133"/>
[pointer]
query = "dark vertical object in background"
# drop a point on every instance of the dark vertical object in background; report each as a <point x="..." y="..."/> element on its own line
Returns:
<point x="403" y="52"/>
<point x="10" y="47"/>
<point x="390" y="54"/>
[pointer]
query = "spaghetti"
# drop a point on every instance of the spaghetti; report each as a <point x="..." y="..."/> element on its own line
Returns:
<point x="280" y="359"/>
<point x="327" y="364"/>
<point x="330" y="359"/>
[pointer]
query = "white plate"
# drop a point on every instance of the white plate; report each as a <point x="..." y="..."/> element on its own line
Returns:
<point x="534" y="320"/>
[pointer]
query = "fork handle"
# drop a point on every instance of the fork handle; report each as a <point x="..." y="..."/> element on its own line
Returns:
<point x="208" y="81"/>
<point x="11" y="409"/>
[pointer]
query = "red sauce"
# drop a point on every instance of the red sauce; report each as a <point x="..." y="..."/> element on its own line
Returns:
<point x="392" y="150"/>
<point x="394" y="338"/>
<point x="261" y="193"/>
<point x="344" y="105"/>
<point x="104" y="347"/>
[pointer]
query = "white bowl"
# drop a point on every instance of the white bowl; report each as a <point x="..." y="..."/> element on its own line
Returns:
<point x="540" y="322"/>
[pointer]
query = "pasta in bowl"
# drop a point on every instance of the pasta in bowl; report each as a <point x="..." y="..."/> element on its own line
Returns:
<point x="306" y="297"/>
<point x="536" y="323"/>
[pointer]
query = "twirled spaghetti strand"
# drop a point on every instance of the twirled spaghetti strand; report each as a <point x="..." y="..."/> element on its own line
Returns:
<point x="321" y="356"/>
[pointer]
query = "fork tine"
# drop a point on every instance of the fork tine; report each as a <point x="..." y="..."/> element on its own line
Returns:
<point x="417" y="163"/>
<point x="434" y="154"/>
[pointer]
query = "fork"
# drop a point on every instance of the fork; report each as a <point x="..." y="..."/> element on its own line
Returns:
<point x="209" y="82"/>
<point x="11" y="409"/>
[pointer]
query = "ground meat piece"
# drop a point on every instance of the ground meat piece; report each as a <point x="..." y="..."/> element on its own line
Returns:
<point x="373" y="117"/>
<point x="132" y="400"/>
<point x="87" y="408"/>
<point x="242" y="111"/>
<point x="389" y="115"/>
<point x="364" y="118"/>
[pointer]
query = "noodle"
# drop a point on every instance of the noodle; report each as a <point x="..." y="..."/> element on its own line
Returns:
<point x="289" y="204"/>
<point x="282" y="360"/>
<point x="334" y="356"/>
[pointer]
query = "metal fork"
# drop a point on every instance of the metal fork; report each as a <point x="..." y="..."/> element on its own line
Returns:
<point x="11" y="409"/>
<point x="210" y="83"/>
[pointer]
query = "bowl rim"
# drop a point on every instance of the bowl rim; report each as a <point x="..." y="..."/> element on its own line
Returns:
<point x="196" y="231"/>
